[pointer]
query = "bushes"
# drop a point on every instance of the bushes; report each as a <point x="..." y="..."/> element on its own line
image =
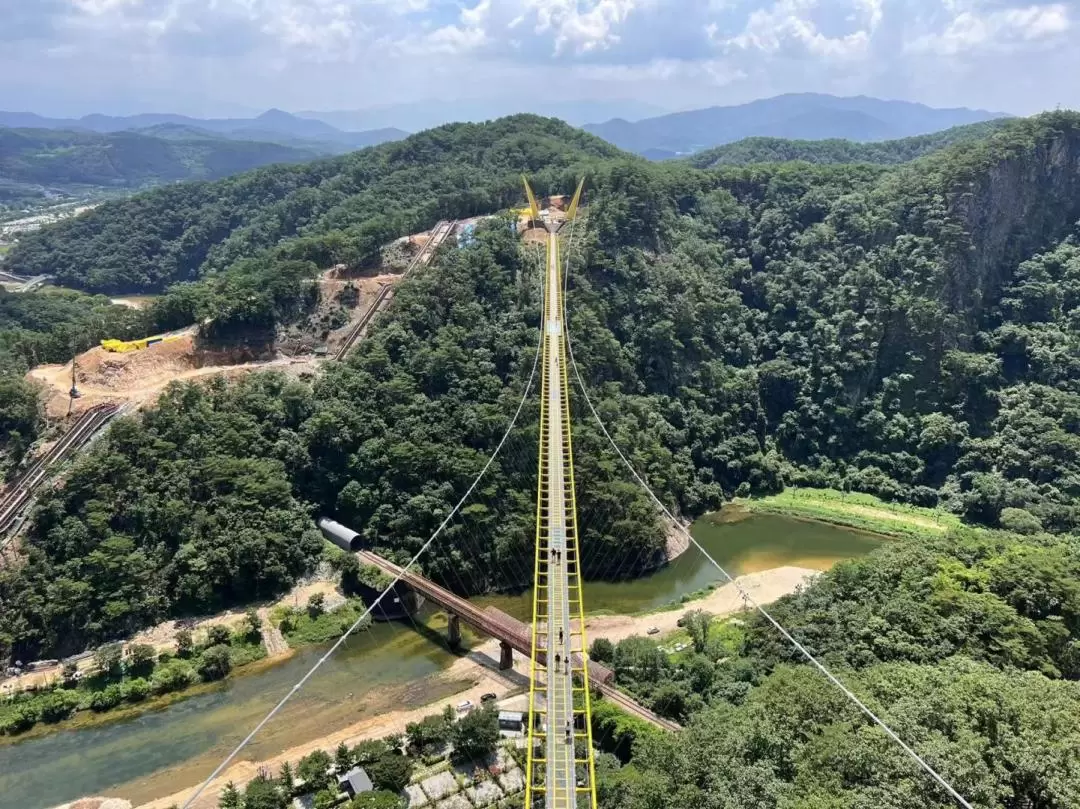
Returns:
<point x="215" y="663"/>
<point x="172" y="676"/>
<point x="136" y="690"/>
<point x="58" y="705"/>
<point x="108" y="697"/>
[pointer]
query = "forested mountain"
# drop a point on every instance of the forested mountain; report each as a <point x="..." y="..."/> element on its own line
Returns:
<point x="128" y="159"/>
<point x="910" y="331"/>
<point x="273" y="126"/>
<point x="835" y="150"/>
<point x="345" y="207"/>
<point x="966" y="646"/>
<point x="795" y="116"/>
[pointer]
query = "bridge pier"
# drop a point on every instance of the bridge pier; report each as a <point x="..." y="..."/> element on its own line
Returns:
<point x="506" y="656"/>
<point x="453" y="630"/>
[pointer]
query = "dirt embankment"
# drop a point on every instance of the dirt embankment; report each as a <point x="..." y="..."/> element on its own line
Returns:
<point x="140" y="376"/>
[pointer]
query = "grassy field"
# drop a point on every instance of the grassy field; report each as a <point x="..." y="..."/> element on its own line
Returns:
<point x="863" y="511"/>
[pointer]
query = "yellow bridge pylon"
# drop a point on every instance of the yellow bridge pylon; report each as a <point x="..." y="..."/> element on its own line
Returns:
<point x="560" y="767"/>
<point x="534" y="209"/>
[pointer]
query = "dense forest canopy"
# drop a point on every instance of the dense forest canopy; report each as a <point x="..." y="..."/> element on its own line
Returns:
<point x="836" y="150"/>
<point x="128" y="159"/>
<point x="913" y="332"/>
<point x="335" y="210"/>
<point x="967" y="646"/>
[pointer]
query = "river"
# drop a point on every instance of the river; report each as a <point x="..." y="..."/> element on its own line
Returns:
<point x="391" y="665"/>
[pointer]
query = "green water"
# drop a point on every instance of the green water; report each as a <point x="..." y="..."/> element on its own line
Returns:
<point x="740" y="544"/>
<point x="389" y="667"/>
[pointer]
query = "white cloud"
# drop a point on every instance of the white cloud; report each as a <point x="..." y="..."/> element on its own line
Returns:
<point x="1001" y="29"/>
<point x="787" y="26"/>
<point x="1011" y="54"/>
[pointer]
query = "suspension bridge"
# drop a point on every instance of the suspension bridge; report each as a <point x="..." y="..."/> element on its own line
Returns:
<point x="560" y="765"/>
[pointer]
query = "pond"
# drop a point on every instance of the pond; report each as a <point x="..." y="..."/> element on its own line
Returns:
<point x="390" y="666"/>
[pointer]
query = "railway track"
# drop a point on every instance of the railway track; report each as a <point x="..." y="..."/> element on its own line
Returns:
<point x="439" y="234"/>
<point x="21" y="491"/>
<point x="613" y="694"/>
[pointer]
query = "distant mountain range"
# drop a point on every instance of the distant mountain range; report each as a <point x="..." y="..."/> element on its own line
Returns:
<point x="65" y="158"/>
<point x="833" y="150"/>
<point x="415" y="116"/>
<point x="803" y="116"/>
<point x="273" y="126"/>
<point x="137" y="150"/>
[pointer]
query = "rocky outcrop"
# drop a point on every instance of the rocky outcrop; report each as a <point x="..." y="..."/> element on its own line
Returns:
<point x="1019" y="195"/>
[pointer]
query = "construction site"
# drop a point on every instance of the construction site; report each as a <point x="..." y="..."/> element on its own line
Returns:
<point x="135" y="372"/>
<point x="82" y="396"/>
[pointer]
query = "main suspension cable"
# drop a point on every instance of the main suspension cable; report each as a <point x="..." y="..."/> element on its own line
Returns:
<point x="356" y="624"/>
<point x="742" y="591"/>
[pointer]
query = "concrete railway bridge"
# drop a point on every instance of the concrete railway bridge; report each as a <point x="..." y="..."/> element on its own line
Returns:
<point x="513" y="635"/>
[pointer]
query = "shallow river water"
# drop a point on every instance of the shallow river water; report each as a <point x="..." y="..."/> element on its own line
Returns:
<point x="390" y="666"/>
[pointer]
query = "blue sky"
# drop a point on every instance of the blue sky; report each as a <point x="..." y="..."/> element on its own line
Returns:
<point x="218" y="57"/>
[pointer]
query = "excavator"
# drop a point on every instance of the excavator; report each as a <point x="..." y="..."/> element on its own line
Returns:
<point x="135" y="345"/>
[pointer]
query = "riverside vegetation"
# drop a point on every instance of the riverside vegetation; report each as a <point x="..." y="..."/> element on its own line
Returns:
<point x="127" y="677"/>
<point x="911" y="332"/>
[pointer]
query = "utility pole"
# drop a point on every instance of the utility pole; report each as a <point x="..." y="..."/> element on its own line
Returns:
<point x="74" y="390"/>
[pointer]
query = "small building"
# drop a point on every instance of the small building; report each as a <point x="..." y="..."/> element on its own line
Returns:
<point x="305" y="801"/>
<point x="512" y="720"/>
<point x="354" y="782"/>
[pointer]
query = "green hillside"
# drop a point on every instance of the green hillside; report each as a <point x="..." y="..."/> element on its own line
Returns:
<point x="909" y="331"/>
<point x="884" y="153"/>
<point x="127" y="159"/>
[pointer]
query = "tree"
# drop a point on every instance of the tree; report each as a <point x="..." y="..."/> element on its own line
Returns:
<point x="316" y="604"/>
<point x="107" y="659"/>
<point x="185" y="646"/>
<point x="343" y="757"/>
<point x="174" y="675"/>
<point x="602" y="650"/>
<point x="252" y="624"/>
<point x="58" y="704"/>
<point x="314" y="769"/>
<point x="70" y="672"/>
<point x="476" y="735"/>
<point x="1020" y="521"/>
<point x="390" y="772"/>
<point x="369" y="750"/>
<point x="140" y="658"/>
<point x="429" y="733"/>
<point x="230" y="797"/>
<point x="262" y="793"/>
<point x="218" y="635"/>
<point x="286" y="778"/>
<point x="638" y="659"/>
<point x="697" y="624"/>
<point x="215" y="663"/>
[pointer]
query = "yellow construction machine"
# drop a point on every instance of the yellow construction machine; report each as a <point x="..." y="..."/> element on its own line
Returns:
<point x="135" y="345"/>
